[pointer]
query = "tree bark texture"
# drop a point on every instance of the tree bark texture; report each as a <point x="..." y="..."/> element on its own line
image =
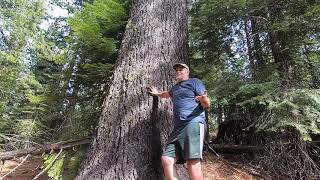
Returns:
<point x="134" y="126"/>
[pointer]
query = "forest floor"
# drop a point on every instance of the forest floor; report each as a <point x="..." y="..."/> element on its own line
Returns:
<point x="27" y="171"/>
<point x="228" y="167"/>
<point x="214" y="168"/>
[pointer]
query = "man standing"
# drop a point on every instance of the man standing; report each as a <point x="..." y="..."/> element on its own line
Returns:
<point x="185" y="144"/>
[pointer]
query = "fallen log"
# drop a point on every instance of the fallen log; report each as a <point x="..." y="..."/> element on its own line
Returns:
<point x="45" y="148"/>
<point x="313" y="142"/>
<point x="239" y="149"/>
<point x="235" y="149"/>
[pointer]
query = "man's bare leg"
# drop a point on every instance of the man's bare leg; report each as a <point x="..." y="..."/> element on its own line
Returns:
<point x="194" y="169"/>
<point x="169" y="167"/>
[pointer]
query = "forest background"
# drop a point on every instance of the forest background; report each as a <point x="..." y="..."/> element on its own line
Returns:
<point x="259" y="60"/>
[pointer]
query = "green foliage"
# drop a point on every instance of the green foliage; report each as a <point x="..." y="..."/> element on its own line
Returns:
<point x="46" y="49"/>
<point x="297" y="108"/>
<point x="251" y="95"/>
<point x="211" y="23"/>
<point x="54" y="79"/>
<point x="96" y="72"/>
<point x="21" y="20"/>
<point x="10" y="58"/>
<point x="245" y="83"/>
<point x="73" y="160"/>
<point x="98" y="25"/>
<point x="96" y="34"/>
<point x="300" y="17"/>
<point x="19" y="24"/>
<point x="55" y="168"/>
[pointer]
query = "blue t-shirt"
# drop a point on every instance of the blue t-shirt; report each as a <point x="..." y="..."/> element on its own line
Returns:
<point x="185" y="108"/>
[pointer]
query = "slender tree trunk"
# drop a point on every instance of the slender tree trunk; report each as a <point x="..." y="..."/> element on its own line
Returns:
<point x="72" y="96"/>
<point x="220" y="114"/>
<point x="71" y="89"/>
<point x="134" y="126"/>
<point x="247" y="24"/>
<point x="260" y="61"/>
<point x="258" y="52"/>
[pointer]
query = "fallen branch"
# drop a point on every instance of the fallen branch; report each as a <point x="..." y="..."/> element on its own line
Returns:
<point x="16" y="166"/>
<point x="212" y="150"/>
<point x="45" y="148"/>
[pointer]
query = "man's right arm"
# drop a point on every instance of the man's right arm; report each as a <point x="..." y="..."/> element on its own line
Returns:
<point x="154" y="92"/>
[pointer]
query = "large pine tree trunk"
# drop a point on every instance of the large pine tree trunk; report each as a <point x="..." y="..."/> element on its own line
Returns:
<point x="134" y="126"/>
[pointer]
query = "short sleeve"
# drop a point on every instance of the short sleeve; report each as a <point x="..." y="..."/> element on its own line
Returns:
<point x="199" y="87"/>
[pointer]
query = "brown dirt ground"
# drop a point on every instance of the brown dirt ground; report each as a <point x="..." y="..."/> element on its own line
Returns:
<point x="27" y="171"/>
<point x="214" y="168"/>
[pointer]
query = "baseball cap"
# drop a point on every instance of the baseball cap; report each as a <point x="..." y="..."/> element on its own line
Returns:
<point x="180" y="64"/>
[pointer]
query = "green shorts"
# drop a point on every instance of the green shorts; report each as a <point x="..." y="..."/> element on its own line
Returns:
<point x="186" y="142"/>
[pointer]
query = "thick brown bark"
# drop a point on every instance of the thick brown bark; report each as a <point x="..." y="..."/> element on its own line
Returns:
<point x="134" y="126"/>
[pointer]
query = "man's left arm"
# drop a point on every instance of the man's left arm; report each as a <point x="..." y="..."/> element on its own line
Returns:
<point x="204" y="100"/>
